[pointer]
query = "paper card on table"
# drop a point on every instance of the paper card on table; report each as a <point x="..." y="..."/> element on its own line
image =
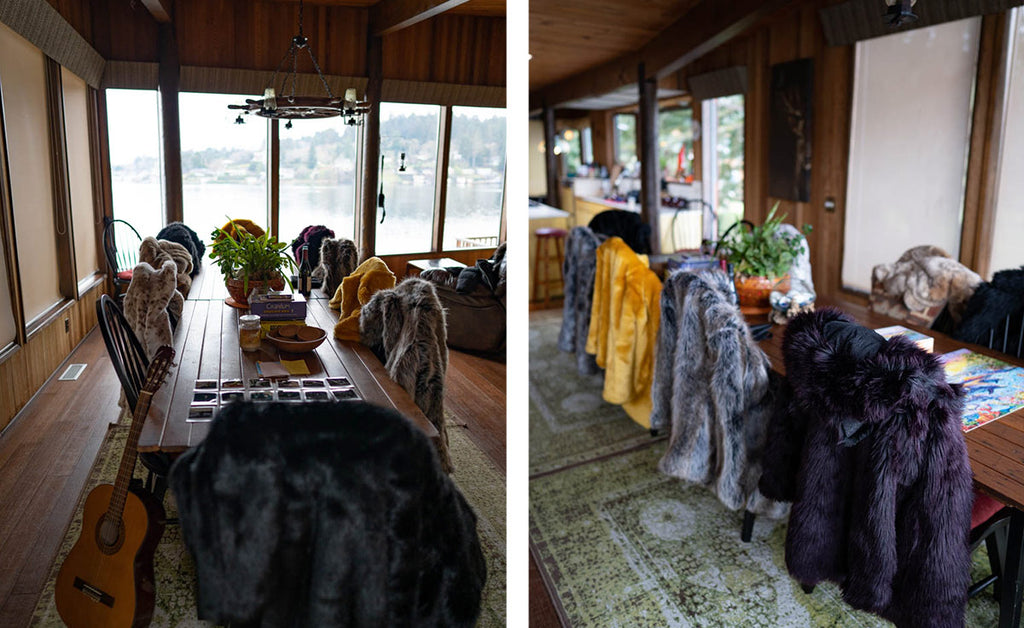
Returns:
<point x="925" y="342"/>
<point x="992" y="388"/>
<point x="296" y="367"/>
<point x="271" y="369"/>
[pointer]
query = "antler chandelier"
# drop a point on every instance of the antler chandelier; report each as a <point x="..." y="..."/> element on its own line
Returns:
<point x="292" y="107"/>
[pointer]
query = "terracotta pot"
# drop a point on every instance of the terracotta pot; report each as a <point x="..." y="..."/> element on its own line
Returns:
<point x="238" y="293"/>
<point x="753" y="292"/>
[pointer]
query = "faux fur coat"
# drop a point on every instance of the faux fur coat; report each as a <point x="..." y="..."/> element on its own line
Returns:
<point x="578" y="272"/>
<point x="314" y="236"/>
<point x="626" y="225"/>
<point x="920" y="283"/>
<point x="181" y="233"/>
<point x="624" y="327"/>
<point x="355" y="291"/>
<point x="989" y="306"/>
<point x="712" y="388"/>
<point x="405" y="326"/>
<point x="154" y="252"/>
<point x="146" y="304"/>
<point x="871" y="452"/>
<point x="328" y="514"/>
<point x="338" y="258"/>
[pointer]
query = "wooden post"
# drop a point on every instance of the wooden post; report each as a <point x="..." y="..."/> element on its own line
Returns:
<point x="441" y="185"/>
<point x="60" y="183"/>
<point x="274" y="180"/>
<point x="371" y="160"/>
<point x="550" y="159"/>
<point x="169" y="78"/>
<point x="647" y="140"/>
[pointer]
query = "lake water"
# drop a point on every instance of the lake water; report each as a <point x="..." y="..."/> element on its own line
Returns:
<point x="472" y="211"/>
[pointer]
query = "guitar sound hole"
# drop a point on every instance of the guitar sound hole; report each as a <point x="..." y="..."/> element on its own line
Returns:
<point x="109" y="534"/>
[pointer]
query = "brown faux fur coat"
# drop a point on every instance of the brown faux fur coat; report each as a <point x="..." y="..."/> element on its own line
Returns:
<point x="920" y="283"/>
<point x="405" y="326"/>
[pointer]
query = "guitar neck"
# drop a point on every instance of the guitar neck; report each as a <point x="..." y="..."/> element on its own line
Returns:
<point x="127" y="468"/>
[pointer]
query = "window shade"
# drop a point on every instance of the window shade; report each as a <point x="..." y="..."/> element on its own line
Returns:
<point x="1009" y="215"/>
<point x="76" y="130"/>
<point x="856" y="20"/>
<point x="23" y="81"/>
<point x="725" y="82"/>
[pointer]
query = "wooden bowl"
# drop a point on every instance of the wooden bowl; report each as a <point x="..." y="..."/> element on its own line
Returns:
<point x="301" y="345"/>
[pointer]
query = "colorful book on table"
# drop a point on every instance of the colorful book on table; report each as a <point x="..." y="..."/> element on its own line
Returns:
<point x="992" y="388"/>
<point x="925" y="342"/>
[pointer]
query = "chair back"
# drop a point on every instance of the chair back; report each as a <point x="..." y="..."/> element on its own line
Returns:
<point x="124" y="348"/>
<point x="1006" y="336"/>
<point x="121" y="246"/>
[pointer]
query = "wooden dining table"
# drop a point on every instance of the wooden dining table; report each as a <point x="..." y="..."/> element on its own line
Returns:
<point x="995" y="450"/>
<point x="211" y="369"/>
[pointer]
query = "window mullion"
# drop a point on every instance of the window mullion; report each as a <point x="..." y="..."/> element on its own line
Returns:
<point x="441" y="186"/>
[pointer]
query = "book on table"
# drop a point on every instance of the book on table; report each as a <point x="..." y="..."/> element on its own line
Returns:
<point x="992" y="388"/>
<point x="925" y="342"/>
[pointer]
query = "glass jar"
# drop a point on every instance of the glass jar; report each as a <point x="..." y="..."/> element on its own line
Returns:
<point x="249" y="332"/>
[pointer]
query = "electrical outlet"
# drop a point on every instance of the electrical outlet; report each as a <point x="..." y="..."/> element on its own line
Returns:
<point x="67" y="325"/>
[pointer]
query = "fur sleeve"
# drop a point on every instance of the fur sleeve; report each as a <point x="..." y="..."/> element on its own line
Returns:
<point x="567" y="334"/>
<point x="780" y="461"/>
<point x="665" y="356"/>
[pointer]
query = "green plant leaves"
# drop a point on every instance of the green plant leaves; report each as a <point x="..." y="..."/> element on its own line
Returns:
<point x="249" y="257"/>
<point x="763" y="251"/>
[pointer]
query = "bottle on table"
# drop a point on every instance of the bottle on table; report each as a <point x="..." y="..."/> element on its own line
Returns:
<point x="305" y="272"/>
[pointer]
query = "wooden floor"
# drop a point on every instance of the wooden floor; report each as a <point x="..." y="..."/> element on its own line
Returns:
<point x="46" y="455"/>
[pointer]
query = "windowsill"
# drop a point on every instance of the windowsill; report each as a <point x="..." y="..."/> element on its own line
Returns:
<point x="90" y="282"/>
<point x="7" y="352"/>
<point x="46" y="318"/>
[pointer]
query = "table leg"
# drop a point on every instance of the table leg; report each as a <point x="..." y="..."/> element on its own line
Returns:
<point x="1012" y="580"/>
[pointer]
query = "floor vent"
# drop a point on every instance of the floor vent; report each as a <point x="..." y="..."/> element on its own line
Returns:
<point x="73" y="372"/>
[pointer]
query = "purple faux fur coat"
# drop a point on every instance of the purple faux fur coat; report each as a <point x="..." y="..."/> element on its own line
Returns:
<point x="886" y="516"/>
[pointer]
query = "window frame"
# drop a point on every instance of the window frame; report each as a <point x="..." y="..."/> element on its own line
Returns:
<point x="615" y="135"/>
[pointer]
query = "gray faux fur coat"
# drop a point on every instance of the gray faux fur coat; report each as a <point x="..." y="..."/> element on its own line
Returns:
<point x="578" y="274"/>
<point x="405" y="327"/>
<point x="711" y="386"/>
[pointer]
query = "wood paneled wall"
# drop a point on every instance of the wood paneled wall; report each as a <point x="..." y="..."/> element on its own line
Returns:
<point x="254" y="35"/>
<point x="24" y="373"/>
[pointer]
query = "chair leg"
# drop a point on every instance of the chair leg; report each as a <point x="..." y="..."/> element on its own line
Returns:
<point x="808" y="588"/>
<point x="748" y="526"/>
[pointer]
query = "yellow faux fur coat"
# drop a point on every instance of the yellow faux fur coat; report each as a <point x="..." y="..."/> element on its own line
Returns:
<point x="624" y="323"/>
<point x="355" y="292"/>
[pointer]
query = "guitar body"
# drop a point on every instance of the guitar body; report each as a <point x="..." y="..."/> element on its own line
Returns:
<point x="112" y="586"/>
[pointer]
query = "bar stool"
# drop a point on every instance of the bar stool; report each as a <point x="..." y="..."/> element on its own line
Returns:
<point x="544" y="257"/>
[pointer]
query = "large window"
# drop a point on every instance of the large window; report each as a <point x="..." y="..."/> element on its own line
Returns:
<point x="476" y="174"/>
<point x="624" y="126"/>
<point x="723" y="158"/>
<point x="408" y="193"/>
<point x="133" y="127"/>
<point x="318" y="177"/>
<point x="223" y="164"/>
<point x="675" y="144"/>
<point x="909" y="137"/>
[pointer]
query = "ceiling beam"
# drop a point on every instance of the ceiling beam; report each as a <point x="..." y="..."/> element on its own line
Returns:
<point x="159" y="9"/>
<point x="708" y="25"/>
<point x="389" y="16"/>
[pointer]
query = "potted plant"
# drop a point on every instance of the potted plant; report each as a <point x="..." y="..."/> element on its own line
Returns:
<point x="248" y="261"/>
<point x="761" y="257"/>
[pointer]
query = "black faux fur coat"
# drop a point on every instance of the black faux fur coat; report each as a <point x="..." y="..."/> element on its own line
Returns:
<point x="578" y="270"/>
<point x="870" y="450"/>
<point x="405" y="327"/>
<point x="182" y="234"/>
<point x="987" y="308"/>
<point x="327" y="514"/>
<point x="711" y="386"/>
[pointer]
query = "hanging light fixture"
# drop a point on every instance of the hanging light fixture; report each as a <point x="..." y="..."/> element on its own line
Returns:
<point x="899" y="12"/>
<point x="292" y="107"/>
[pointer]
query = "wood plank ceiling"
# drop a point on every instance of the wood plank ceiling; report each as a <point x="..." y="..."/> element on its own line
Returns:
<point x="570" y="36"/>
<point x="484" y="8"/>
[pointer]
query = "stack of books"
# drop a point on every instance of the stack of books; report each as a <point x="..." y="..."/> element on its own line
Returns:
<point x="277" y="309"/>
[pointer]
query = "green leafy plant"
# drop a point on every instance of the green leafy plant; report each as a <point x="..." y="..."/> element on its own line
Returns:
<point x="249" y="258"/>
<point x="762" y="250"/>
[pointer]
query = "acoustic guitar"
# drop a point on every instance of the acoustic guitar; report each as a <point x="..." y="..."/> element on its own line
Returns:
<point x="107" y="578"/>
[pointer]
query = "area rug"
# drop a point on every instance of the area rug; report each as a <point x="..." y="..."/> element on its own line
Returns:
<point x="619" y="544"/>
<point x="569" y="421"/>
<point x="482" y="484"/>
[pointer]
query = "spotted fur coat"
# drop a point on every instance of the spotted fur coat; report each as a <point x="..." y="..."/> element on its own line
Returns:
<point x="711" y="387"/>
<point x="871" y="451"/>
<point x="328" y="514"/>
<point x="154" y="252"/>
<point x="578" y="275"/>
<point x="405" y="326"/>
<point x="146" y="304"/>
<point x="182" y="234"/>
<point x="338" y="258"/>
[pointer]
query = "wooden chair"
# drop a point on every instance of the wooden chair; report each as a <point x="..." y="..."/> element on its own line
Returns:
<point x="121" y="246"/>
<point x="130" y="364"/>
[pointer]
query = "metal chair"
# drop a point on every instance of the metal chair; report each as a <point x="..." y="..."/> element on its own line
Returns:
<point x="121" y="246"/>
<point x="130" y="364"/>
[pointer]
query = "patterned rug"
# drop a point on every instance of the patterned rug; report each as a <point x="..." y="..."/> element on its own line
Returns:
<point x="569" y="421"/>
<point x="482" y="484"/>
<point x="619" y="544"/>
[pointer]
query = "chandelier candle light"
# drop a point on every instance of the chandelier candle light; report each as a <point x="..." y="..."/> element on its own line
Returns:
<point x="292" y="107"/>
